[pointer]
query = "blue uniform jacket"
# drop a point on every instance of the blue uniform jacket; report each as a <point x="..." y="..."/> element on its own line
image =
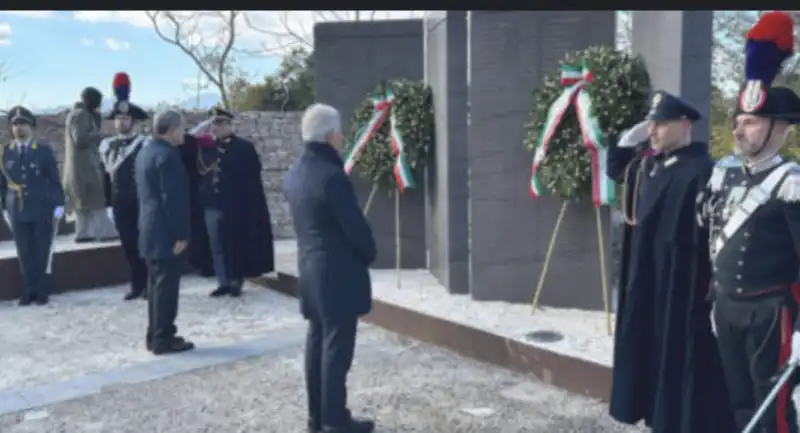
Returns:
<point x="162" y="188"/>
<point x="334" y="240"/>
<point x="30" y="186"/>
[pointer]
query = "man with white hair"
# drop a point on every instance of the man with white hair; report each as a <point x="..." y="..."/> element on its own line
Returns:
<point x="162" y="188"/>
<point x="335" y="249"/>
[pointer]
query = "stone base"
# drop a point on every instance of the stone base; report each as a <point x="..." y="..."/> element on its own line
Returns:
<point x="572" y="374"/>
<point x="74" y="268"/>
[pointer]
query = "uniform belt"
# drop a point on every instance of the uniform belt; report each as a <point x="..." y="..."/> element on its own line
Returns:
<point x="741" y="293"/>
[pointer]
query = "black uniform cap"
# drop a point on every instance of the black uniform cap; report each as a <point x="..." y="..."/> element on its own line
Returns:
<point x="125" y="107"/>
<point x="776" y="103"/>
<point x="665" y="107"/>
<point x="218" y="112"/>
<point x="21" y="115"/>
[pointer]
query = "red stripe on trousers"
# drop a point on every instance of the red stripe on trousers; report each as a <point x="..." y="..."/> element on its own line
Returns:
<point x="785" y="353"/>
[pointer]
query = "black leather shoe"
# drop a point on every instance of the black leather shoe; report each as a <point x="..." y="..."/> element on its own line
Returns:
<point x="135" y="294"/>
<point x="42" y="299"/>
<point x="235" y="292"/>
<point x="220" y="292"/>
<point x="25" y="300"/>
<point x="175" y="345"/>
<point x="353" y="426"/>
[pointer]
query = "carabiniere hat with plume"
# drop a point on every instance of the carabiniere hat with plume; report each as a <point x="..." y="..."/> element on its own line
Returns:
<point x="769" y="43"/>
<point x="122" y="91"/>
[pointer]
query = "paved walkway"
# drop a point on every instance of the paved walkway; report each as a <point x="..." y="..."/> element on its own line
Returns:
<point x="408" y="386"/>
<point x="93" y="331"/>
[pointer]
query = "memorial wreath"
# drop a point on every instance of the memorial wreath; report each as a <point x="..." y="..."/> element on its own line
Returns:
<point x="578" y="113"/>
<point x="393" y="134"/>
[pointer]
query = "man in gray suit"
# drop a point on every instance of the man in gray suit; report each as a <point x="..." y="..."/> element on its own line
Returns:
<point x="31" y="195"/>
<point x="335" y="248"/>
<point x="162" y="188"/>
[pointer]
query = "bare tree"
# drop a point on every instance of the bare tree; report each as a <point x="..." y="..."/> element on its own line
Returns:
<point x="289" y="29"/>
<point x="212" y="52"/>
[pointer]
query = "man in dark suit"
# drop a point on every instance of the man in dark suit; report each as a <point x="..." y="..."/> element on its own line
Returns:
<point x="162" y="188"/>
<point x="335" y="248"/>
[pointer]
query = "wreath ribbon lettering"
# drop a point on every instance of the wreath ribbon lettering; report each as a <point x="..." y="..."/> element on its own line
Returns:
<point x="574" y="79"/>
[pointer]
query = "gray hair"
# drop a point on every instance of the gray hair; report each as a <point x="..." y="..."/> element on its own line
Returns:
<point x="166" y="121"/>
<point x="319" y="120"/>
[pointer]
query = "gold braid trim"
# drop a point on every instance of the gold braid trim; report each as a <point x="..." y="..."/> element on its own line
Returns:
<point x="202" y="168"/>
<point x="17" y="188"/>
<point x="631" y="219"/>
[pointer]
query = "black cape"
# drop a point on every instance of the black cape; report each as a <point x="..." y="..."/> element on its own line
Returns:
<point x="667" y="369"/>
<point x="247" y="229"/>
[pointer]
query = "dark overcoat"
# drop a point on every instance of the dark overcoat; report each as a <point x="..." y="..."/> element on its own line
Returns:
<point x="246" y="229"/>
<point x="667" y="370"/>
<point x="334" y="240"/>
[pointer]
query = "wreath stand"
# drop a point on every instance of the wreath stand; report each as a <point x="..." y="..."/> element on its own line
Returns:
<point x="601" y="251"/>
<point x="397" y="241"/>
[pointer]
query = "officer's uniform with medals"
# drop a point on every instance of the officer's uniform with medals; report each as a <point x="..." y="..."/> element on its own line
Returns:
<point x="753" y="213"/>
<point x="32" y="195"/>
<point x="119" y="155"/>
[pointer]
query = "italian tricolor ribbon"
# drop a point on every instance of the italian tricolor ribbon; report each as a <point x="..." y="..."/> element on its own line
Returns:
<point x="382" y="109"/>
<point x="575" y="79"/>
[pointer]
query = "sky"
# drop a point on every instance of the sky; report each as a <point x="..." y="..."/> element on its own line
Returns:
<point x="53" y="55"/>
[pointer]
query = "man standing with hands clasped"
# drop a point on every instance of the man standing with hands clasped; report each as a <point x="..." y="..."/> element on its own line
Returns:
<point x="335" y="248"/>
<point x="164" y="225"/>
<point x="31" y="195"/>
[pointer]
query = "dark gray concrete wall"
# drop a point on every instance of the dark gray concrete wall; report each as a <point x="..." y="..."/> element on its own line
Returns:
<point x="510" y="54"/>
<point x="447" y="187"/>
<point x="350" y="60"/>
<point x="676" y="46"/>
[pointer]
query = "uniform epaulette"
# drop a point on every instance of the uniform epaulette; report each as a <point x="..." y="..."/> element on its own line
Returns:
<point x="790" y="188"/>
<point x="729" y="161"/>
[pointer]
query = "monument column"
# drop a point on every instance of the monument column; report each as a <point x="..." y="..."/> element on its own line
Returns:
<point x="447" y="190"/>
<point x="510" y="54"/>
<point x="676" y="46"/>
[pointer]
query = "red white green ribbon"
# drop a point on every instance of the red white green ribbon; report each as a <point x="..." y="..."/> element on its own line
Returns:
<point x="382" y="111"/>
<point x="575" y="79"/>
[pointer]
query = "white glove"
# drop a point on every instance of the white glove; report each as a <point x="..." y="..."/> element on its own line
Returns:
<point x="634" y="136"/>
<point x="713" y="320"/>
<point x="202" y="128"/>
<point x="7" y="218"/>
<point x="795" y="358"/>
<point x="59" y="212"/>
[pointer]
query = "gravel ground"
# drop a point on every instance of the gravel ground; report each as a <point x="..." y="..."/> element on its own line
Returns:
<point x="408" y="386"/>
<point x="86" y="332"/>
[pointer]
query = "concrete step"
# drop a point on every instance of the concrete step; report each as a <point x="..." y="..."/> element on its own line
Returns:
<point x="75" y="266"/>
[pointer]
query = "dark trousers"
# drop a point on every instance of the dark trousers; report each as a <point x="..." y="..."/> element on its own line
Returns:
<point x="329" y="355"/>
<point x="126" y="219"/>
<point x="213" y="219"/>
<point x="33" y="240"/>
<point x="162" y="299"/>
<point x="754" y="336"/>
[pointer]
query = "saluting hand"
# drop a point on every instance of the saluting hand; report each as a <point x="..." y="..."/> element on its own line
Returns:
<point x="632" y="137"/>
<point x="179" y="247"/>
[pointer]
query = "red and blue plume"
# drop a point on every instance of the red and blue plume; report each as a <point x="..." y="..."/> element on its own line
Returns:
<point x="122" y="86"/>
<point x="769" y="43"/>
